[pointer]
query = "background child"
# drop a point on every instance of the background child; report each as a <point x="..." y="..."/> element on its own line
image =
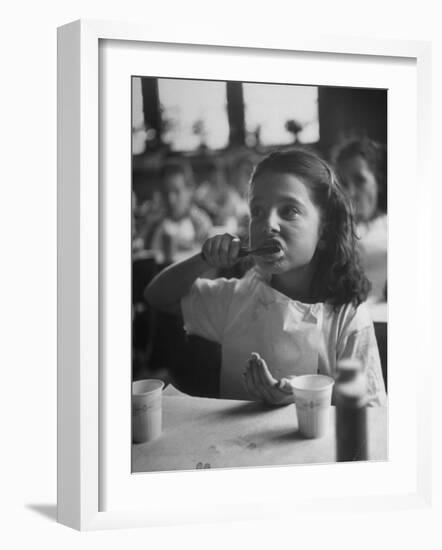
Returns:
<point x="361" y="165"/>
<point x="182" y="227"/>
<point x="221" y="200"/>
<point x="299" y="310"/>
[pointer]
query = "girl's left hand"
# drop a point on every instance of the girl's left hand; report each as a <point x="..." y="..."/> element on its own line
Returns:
<point x="261" y="384"/>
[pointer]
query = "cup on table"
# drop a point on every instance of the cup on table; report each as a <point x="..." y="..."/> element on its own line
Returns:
<point x="312" y="393"/>
<point x="146" y="410"/>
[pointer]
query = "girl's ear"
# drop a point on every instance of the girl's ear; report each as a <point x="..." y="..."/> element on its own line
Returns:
<point x="322" y="242"/>
<point x="322" y="230"/>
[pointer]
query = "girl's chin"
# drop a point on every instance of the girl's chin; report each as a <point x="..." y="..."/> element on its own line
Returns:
<point x="272" y="267"/>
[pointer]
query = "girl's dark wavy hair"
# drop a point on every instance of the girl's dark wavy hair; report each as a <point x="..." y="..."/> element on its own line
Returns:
<point x="339" y="278"/>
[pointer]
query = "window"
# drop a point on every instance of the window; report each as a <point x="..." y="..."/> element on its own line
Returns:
<point x="194" y="113"/>
<point x="280" y="114"/>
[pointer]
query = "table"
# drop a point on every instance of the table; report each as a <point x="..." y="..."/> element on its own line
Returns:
<point x="221" y="433"/>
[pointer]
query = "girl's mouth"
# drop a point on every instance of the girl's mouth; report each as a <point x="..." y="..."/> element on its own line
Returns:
<point x="275" y="253"/>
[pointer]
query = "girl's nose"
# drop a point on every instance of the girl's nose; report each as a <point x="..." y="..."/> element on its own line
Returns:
<point x="272" y="222"/>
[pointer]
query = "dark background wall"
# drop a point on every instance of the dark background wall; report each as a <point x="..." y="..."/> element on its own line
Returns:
<point x="345" y="112"/>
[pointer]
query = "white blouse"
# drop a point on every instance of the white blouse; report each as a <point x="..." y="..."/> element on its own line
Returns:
<point x="247" y="315"/>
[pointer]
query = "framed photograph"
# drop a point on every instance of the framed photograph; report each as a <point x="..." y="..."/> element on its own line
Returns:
<point x="160" y="140"/>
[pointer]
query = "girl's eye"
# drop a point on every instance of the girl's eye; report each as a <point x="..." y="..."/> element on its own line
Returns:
<point x="289" y="212"/>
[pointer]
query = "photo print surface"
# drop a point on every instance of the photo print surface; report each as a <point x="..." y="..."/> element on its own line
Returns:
<point x="259" y="274"/>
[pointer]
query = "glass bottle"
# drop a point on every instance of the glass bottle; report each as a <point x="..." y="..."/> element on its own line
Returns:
<point x="351" y="397"/>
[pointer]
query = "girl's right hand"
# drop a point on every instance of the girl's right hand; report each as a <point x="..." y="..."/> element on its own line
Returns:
<point x="261" y="384"/>
<point x="221" y="250"/>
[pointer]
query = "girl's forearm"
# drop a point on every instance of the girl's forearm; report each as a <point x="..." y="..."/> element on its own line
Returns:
<point x="173" y="283"/>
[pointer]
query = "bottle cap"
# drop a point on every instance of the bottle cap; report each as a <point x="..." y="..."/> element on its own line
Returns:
<point x="348" y="369"/>
<point x="352" y="386"/>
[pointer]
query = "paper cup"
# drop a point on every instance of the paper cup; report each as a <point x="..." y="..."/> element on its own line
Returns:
<point x="312" y="394"/>
<point x="146" y="410"/>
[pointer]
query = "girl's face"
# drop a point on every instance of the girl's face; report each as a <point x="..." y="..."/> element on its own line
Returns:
<point x="361" y="186"/>
<point x="282" y="213"/>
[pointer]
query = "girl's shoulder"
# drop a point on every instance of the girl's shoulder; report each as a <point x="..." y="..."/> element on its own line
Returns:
<point x="348" y="317"/>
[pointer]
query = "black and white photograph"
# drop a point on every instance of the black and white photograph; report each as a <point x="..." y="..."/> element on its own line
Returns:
<point x="259" y="274"/>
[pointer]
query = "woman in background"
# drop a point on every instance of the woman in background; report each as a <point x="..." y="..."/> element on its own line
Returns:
<point x="361" y="165"/>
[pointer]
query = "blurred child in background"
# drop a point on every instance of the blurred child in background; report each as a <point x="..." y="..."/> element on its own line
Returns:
<point x="361" y="165"/>
<point x="220" y="199"/>
<point x="181" y="227"/>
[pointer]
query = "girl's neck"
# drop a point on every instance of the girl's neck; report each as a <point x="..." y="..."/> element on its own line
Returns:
<point x="297" y="286"/>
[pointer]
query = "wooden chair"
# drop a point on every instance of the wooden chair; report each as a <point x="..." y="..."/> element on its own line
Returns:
<point x="380" y="330"/>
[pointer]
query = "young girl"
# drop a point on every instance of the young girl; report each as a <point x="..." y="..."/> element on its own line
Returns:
<point x="299" y="309"/>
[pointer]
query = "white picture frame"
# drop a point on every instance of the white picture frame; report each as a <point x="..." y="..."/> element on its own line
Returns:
<point x="83" y="462"/>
